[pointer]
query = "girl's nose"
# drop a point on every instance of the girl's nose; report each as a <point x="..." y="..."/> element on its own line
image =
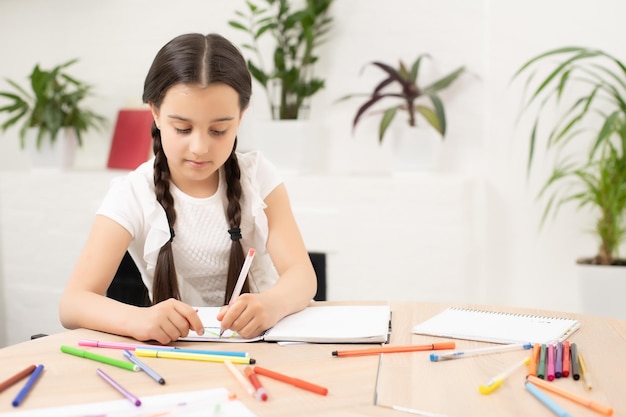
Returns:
<point x="199" y="143"/>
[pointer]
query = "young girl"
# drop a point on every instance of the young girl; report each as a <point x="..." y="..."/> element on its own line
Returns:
<point x="189" y="216"/>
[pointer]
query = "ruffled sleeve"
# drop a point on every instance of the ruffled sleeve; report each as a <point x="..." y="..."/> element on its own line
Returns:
<point x="156" y="228"/>
<point x="258" y="179"/>
<point x="131" y="202"/>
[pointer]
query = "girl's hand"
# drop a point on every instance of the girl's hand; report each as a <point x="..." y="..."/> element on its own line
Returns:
<point x="249" y="316"/>
<point x="165" y="322"/>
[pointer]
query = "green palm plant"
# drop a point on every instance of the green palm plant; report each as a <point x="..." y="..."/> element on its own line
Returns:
<point x="296" y="35"/>
<point x="589" y="87"/>
<point x="410" y="96"/>
<point x="54" y="103"/>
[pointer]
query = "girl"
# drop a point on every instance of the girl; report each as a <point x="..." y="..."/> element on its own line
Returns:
<point x="188" y="216"/>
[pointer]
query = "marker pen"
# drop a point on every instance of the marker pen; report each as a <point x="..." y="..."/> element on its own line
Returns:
<point x="574" y="360"/>
<point x="550" y="360"/>
<point x="558" y="362"/>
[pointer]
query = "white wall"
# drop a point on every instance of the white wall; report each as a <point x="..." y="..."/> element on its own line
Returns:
<point x="3" y="333"/>
<point x="117" y="39"/>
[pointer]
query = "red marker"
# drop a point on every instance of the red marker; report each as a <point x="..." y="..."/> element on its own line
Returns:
<point x="566" y="359"/>
<point x="17" y="377"/>
<point x="260" y="393"/>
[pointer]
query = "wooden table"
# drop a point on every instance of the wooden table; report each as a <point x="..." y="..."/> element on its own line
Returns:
<point x="403" y="379"/>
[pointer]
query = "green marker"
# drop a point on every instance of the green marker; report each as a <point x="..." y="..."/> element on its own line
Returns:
<point x="541" y="366"/>
<point x="100" y="358"/>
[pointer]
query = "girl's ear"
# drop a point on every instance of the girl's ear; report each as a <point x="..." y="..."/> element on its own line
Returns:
<point x="155" y="114"/>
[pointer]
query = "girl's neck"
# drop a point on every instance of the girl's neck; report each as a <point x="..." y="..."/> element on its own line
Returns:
<point x="199" y="189"/>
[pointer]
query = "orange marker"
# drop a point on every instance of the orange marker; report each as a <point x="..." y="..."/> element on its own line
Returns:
<point x="395" y="349"/>
<point x="534" y="358"/>
<point x="548" y="386"/>
<point x="290" y="380"/>
<point x="566" y="359"/>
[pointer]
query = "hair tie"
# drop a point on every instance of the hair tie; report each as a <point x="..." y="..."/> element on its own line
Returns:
<point x="172" y="234"/>
<point x="235" y="233"/>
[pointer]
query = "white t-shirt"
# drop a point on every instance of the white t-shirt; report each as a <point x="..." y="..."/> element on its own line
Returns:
<point x="201" y="245"/>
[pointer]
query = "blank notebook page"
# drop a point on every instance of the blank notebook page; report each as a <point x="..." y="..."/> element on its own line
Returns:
<point x="328" y="324"/>
<point x="496" y="327"/>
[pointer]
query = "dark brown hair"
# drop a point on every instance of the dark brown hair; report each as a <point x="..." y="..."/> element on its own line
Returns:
<point x="195" y="59"/>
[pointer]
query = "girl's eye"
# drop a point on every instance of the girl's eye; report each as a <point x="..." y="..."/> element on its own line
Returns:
<point x="218" y="132"/>
<point x="182" y="131"/>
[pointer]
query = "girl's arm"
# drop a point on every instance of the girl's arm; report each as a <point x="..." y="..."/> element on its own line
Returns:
<point x="84" y="303"/>
<point x="252" y="314"/>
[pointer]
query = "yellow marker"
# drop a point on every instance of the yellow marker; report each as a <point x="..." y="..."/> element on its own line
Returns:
<point x="495" y="382"/>
<point x="585" y="372"/>
<point x="172" y="354"/>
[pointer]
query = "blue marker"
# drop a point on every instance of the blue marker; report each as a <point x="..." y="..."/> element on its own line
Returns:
<point x="28" y="386"/>
<point x="207" y="352"/>
<point x="547" y="401"/>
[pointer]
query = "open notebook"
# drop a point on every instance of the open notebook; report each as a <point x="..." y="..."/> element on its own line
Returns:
<point x="316" y="324"/>
<point x="497" y="327"/>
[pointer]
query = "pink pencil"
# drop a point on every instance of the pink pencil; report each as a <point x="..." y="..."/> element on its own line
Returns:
<point x="120" y="345"/>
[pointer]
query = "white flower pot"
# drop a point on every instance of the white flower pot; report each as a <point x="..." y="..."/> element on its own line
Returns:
<point x="415" y="149"/>
<point x="293" y="146"/>
<point x="602" y="290"/>
<point x="59" y="155"/>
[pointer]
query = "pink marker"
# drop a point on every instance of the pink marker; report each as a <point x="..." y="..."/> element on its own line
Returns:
<point x="119" y="345"/>
<point x="550" y="370"/>
<point x="240" y="281"/>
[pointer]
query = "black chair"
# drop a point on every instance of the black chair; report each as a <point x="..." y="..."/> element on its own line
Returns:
<point x="319" y="265"/>
<point x="128" y="287"/>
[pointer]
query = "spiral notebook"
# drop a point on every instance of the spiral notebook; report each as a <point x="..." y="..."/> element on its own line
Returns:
<point x="497" y="327"/>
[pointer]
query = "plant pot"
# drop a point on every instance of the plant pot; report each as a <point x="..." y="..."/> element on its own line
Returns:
<point x="293" y="146"/>
<point x="602" y="289"/>
<point x="59" y="155"/>
<point x="415" y="149"/>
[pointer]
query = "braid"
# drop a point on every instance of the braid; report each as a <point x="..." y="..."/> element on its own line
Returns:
<point x="233" y="213"/>
<point x="165" y="281"/>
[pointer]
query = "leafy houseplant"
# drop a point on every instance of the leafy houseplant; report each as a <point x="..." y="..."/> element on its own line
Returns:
<point x="54" y="103"/>
<point x="408" y="95"/>
<point x="591" y="86"/>
<point x="296" y="34"/>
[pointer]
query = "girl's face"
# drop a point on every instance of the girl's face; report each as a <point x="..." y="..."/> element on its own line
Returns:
<point x="198" y="127"/>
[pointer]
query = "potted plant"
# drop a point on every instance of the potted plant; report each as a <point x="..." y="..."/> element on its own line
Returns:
<point x="284" y="41"/>
<point x="296" y="34"/>
<point x="54" y="104"/>
<point x="408" y="95"/>
<point x="588" y="87"/>
<point x="417" y="143"/>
